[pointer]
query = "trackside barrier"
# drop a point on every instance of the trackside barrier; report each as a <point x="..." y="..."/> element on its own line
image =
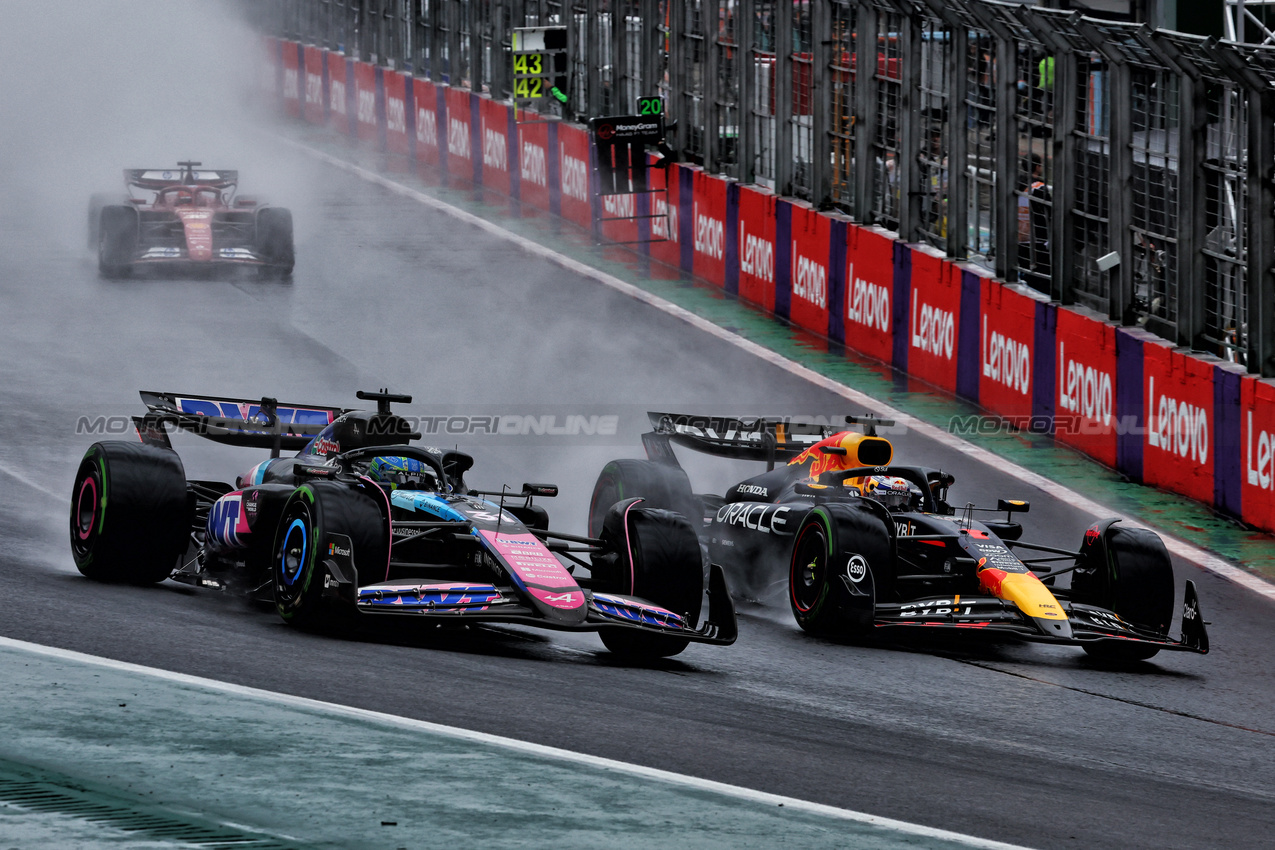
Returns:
<point x="1187" y="423"/>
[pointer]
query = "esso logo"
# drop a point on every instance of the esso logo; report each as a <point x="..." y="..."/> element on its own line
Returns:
<point x="856" y="569"/>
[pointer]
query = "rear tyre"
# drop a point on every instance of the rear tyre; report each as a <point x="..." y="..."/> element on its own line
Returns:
<point x="658" y="560"/>
<point x="839" y="556"/>
<point x="660" y="486"/>
<point x="117" y="241"/>
<point x="130" y="519"/>
<point x="274" y="242"/>
<point x="1136" y="583"/>
<point x="318" y="520"/>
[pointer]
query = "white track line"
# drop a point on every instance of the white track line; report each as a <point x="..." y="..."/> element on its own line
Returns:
<point x="515" y="745"/>
<point x="1181" y="548"/>
<point x="34" y="485"/>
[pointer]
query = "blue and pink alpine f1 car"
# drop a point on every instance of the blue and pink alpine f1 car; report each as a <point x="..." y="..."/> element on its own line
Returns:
<point x="360" y="525"/>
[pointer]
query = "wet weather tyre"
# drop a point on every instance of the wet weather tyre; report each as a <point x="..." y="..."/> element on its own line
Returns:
<point x="130" y="517"/>
<point x="660" y="561"/>
<point x="117" y="236"/>
<point x="659" y="484"/>
<point x="1136" y="583"/>
<point x="326" y="525"/>
<point x="274" y="242"/>
<point x="837" y="553"/>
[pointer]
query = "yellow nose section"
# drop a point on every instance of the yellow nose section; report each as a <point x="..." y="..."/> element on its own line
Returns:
<point x="1031" y="596"/>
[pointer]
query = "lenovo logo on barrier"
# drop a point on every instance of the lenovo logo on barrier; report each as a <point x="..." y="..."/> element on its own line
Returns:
<point x="1263" y="473"/>
<point x="337" y="97"/>
<point x="395" y="115"/>
<point x="575" y="176"/>
<point x="757" y="256"/>
<point x="1006" y="361"/>
<point x="664" y="223"/>
<point x="809" y="279"/>
<point x="619" y="206"/>
<point x="1083" y="389"/>
<point x="933" y="329"/>
<point x="457" y="137"/>
<point x="1177" y="427"/>
<point x="534" y="166"/>
<point x="427" y="127"/>
<point x="366" y="107"/>
<point x="495" y="151"/>
<point x="314" y="89"/>
<point x="868" y="304"/>
<point x="291" y="84"/>
<point x="710" y="236"/>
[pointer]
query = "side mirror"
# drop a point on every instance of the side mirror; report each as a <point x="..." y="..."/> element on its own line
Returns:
<point x="1013" y="506"/>
<point x="546" y="490"/>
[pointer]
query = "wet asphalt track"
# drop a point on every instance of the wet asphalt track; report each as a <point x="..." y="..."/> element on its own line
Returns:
<point x="1025" y="744"/>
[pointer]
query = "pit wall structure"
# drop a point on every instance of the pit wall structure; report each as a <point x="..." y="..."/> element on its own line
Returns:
<point x="1188" y="423"/>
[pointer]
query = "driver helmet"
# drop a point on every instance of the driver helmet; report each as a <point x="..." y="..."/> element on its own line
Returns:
<point x="402" y="472"/>
<point x="895" y="493"/>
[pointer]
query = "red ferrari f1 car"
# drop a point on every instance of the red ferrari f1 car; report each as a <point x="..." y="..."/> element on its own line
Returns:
<point x="188" y="219"/>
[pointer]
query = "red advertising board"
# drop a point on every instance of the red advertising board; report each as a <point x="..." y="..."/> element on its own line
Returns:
<point x="460" y="155"/>
<point x="365" y="102"/>
<point x="269" y="78"/>
<point x="396" y="138"/>
<point x="337" y="96"/>
<point x="573" y="171"/>
<point x="1257" y="442"/>
<point x="1177" y="446"/>
<point x="1006" y="352"/>
<point x="1085" y="410"/>
<point x="808" y="307"/>
<point x="291" y="80"/>
<point x="708" y="227"/>
<point x="934" y="320"/>
<point x="494" y="131"/>
<point x="869" y="318"/>
<point x="533" y="164"/>
<point x="666" y="246"/>
<point x="757" y="247"/>
<point x="425" y="101"/>
<point x="618" y="218"/>
<point x="315" y="109"/>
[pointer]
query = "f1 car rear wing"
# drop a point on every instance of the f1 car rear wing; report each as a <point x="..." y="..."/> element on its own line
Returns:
<point x="263" y="423"/>
<point x="186" y="173"/>
<point x="762" y="439"/>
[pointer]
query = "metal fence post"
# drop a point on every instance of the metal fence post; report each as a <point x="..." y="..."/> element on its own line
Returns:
<point x="782" y="90"/>
<point x="865" y="109"/>
<point x="820" y="148"/>
<point x="745" y="143"/>
<point x="1261" y="231"/>
<point x="909" y="173"/>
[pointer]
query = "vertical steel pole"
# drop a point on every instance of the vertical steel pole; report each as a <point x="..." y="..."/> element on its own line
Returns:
<point x="708" y="86"/>
<point x="865" y="110"/>
<point x="783" y="98"/>
<point x="820" y="147"/>
<point x="908" y="172"/>
<point x="1261" y="231"/>
<point x="957" y="144"/>
<point x="1121" y="161"/>
<point x="746" y="140"/>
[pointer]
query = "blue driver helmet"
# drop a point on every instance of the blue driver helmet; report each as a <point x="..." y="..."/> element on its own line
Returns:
<point x="895" y="493"/>
<point x="402" y="473"/>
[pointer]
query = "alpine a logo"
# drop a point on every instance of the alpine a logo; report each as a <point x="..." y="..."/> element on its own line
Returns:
<point x="1006" y="361"/>
<point x="1084" y="390"/>
<point x="534" y="167"/>
<point x="1177" y="427"/>
<point x="366" y="106"/>
<point x="757" y="256"/>
<point x="868" y="304"/>
<point x="336" y="97"/>
<point x="457" y="137"/>
<point x="710" y="235"/>
<point x="313" y="89"/>
<point x="809" y="279"/>
<point x="495" y="151"/>
<point x="427" y="127"/>
<point x="933" y="329"/>
<point x="395" y="115"/>
<point x="575" y="176"/>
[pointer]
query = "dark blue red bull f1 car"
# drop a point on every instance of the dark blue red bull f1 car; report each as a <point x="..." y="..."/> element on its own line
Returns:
<point x="361" y="525"/>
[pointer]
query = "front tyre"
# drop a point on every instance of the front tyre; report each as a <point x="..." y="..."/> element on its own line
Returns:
<point x="1135" y="580"/>
<point x="658" y="484"/>
<point x="839" y="554"/>
<point x="117" y="239"/>
<point x="328" y="535"/>
<point x="274" y="242"/>
<point x="130" y="517"/>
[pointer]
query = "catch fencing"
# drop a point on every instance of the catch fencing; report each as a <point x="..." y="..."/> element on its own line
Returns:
<point x="1102" y="164"/>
